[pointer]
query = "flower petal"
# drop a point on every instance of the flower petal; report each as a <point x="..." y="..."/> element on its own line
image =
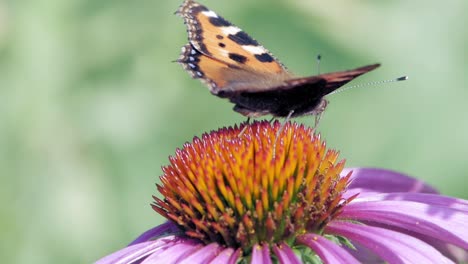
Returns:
<point x="138" y="251"/>
<point x="285" y="254"/>
<point x="363" y="254"/>
<point x="445" y="224"/>
<point x="391" y="246"/>
<point x="130" y="253"/>
<point x="261" y="254"/>
<point x="203" y="255"/>
<point x="174" y="253"/>
<point x="452" y="252"/>
<point x="430" y="199"/>
<point x="228" y="255"/>
<point x="381" y="180"/>
<point x="163" y="229"/>
<point x="328" y="251"/>
<point x="235" y="257"/>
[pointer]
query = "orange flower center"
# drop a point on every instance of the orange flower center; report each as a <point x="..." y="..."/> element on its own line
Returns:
<point x="235" y="191"/>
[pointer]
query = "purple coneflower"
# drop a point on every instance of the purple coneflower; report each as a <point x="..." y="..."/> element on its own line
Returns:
<point x="230" y="199"/>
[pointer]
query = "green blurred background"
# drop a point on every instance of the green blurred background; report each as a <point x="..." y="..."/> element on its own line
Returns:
<point x="91" y="105"/>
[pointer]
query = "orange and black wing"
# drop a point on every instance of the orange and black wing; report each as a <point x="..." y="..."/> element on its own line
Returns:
<point x="335" y="80"/>
<point x="300" y="96"/>
<point x="223" y="55"/>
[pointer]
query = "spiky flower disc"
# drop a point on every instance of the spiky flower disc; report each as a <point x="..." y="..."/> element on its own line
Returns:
<point x="263" y="187"/>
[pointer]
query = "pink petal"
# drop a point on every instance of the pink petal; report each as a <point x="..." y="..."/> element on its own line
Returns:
<point x="203" y="255"/>
<point x="235" y="257"/>
<point x="131" y="253"/>
<point x="364" y="255"/>
<point x="391" y="246"/>
<point x="440" y="222"/>
<point x="452" y="252"/>
<point x="164" y="229"/>
<point x="142" y="250"/>
<point x="174" y="253"/>
<point x="430" y="199"/>
<point x="328" y="251"/>
<point x="380" y="180"/>
<point x="261" y="254"/>
<point x="224" y="257"/>
<point x="285" y="254"/>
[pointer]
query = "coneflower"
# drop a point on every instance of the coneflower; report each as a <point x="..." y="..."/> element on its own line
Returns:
<point x="230" y="199"/>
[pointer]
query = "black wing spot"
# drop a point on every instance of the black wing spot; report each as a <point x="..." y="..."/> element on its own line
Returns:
<point x="219" y="22"/>
<point x="242" y="38"/>
<point x="264" y="57"/>
<point x="222" y="45"/>
<point x="237" y="57"/>
<point x="198" y="9"/>
<point x="219" y="37"/>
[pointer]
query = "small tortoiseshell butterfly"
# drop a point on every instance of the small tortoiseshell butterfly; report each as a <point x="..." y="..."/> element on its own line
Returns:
<point x="235" y="66"/>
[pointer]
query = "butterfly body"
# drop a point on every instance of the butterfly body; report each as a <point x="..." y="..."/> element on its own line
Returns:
<point x="237" y="67"/>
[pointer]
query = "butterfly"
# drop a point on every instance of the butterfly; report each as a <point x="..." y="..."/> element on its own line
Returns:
<point x="235" y="66"/>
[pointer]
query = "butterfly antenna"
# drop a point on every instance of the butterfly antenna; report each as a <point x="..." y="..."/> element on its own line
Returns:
<point x="319" y="58"/>
<point x="402" y="78"/>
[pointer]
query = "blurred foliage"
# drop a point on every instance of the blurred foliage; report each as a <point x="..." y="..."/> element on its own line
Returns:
<point x="91" y="105"/>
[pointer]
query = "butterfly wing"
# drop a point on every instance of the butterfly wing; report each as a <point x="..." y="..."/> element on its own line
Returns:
<point x="223" y="55"/>
<point x="222" y="77"/>
<point x="335" y="80"/>
<point x="236" y="66"/>
<point x="301" y="95"/>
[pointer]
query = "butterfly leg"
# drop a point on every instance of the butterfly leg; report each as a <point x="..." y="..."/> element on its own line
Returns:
<point x="319" y="111"/>
<point x="281" y="130"/>
<point x="318" y="116"/>
<point x="245" y="127"/>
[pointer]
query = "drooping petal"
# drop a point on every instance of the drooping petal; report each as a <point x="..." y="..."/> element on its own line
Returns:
<point x="430" y="199"/>
<point x="440" y="222"/>
<point x="363" y="254"/>
<point x="163" y="229"/>
<point x="452" y="252"/>
<point x="328" y="251"/>
<point x="203" y="255"/>
<point x="455" y="253"/>
<point x="285" y="254"/>
<point x="261" y="254"/>
<point x="391" y="246"/>
<point x="142" y="250"/>
<point x="386" y="181"/>
<point x="227" y="256"/>
<point x="235" y="257"/>
<point x="130" y="253"/>
<point x="175" y="252"/>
